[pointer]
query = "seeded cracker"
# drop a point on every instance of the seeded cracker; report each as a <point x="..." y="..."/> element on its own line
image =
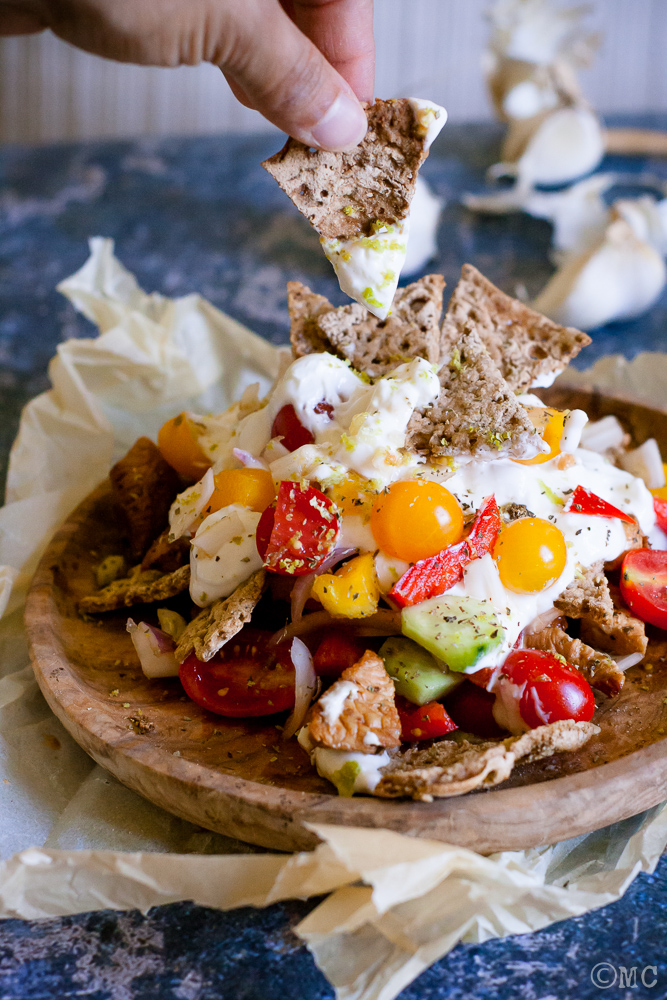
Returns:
<point x="368" y="717"/>
<point x="450" y="768"/>
<point x="476" y="412"/>
<point x="526" y="346"/>
<point x="137" y="588"/>
<point x="343" y="194"/>
<point x="215" y="625"/>
<point x="588" y="597"/>
<point x="371" y="345"/>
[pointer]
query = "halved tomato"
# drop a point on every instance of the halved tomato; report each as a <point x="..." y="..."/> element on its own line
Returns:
<point x="245" y="679"/>
<point x="644" y="585"/>
<point x="336" y="652"/>
<point x="289" y="428"/>
<point x="296" y="534"/>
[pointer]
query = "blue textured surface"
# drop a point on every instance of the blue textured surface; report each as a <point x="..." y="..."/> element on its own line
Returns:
<point x="201" y="215"/>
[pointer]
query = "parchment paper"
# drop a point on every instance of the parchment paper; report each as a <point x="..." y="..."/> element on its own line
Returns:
<point x="76" y="840"/>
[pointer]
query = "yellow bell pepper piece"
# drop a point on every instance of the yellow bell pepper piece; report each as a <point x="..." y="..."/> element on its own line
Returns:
<point x="352" y="592"/>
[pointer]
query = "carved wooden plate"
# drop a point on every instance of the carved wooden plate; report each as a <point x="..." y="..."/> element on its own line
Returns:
<point x="237" y="777"/>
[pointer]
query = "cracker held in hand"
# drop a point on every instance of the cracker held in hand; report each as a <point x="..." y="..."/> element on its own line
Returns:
<point x="371" y="345"/>
<point x="343" y="194"/>
<point x="358" y="712"/>
<point x="217" y="624"/>
<point x="359" y="200"/>
<point x="476" y="412"/>
<point x="451" y="768"/>
<point x="528" y="348"/>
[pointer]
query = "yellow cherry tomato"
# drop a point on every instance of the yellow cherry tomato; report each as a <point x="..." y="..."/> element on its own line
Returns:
<point x="178" y="441"/>
<point x="351" y="591"/>
<point x="530" y="555"/>
<point x="353" y="495"/>
<point x="550" y="424"/>
<point x="249" y="487"/>
<point x="416" y="519"/>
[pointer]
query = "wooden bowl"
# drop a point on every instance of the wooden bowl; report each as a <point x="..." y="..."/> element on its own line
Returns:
<point x="238" y="778"/>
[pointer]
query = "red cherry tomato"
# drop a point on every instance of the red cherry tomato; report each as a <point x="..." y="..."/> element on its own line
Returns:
<point x="548" y="689"/>
<point x="244" y="679"/>
<point x="660" y="508"/>
<point x="423" y="723"/>
<point x="471" y="708"/>
<point x="295" y="536"/>
<point x="644" y="585"/>
<point x="336" y="653"/>
<point x="288" y="427"/>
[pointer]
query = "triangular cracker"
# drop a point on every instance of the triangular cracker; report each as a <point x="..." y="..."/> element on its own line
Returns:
<point x="372" y="346"/>
<point x="451" y="768"/>
<point x="365" y="716"/>
<point x="527" y="347"/>
<point x="476" y="412"/>
<point x="343" y="194"/>
<point x="217" y="624"/>
<point x="137" y="588"/>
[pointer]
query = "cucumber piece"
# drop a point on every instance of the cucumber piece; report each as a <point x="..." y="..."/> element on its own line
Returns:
<point x="458" y="630"/>
<point x="416" y="674"/>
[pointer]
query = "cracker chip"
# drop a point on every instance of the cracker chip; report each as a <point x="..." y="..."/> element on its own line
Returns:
<point x="343" y="194"/>
<point x="476" y="412"/>
<point x="451" y="768"/>
<point x="527" y="347"/>
<point x="145" y="486"/>
<point x="588" y="597"/>
<point x="371" y="345"/>
<point x="217" y="624"/>
<point x="137" y="588"/>
<point x="366" y="715"/>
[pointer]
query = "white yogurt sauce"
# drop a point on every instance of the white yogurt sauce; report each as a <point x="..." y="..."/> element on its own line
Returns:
<point x="328" y="762"/>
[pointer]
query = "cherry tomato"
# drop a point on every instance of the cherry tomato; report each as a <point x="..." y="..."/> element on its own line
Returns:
<point x="295" y="536"/>
<point x="251" y="488"/>
<point x="288" y="427"/>
<point x="530" y="555"/>
<point x="471" y="708"/>
<point x="336" y="653"/>
<point x="550" y="690"/>
<point x="245" y="679"/>
<point x="550" y="424"/>
<point x="660" y="508"/>
<point x="353" y="495"/>
<point x="178" y="441"/>
<point x="644" y="585"/>
<point x="423" y="722"/>
<point x="416" y="519"/>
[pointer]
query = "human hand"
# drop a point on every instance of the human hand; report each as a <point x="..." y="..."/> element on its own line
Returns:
<point x="304" y="64"/>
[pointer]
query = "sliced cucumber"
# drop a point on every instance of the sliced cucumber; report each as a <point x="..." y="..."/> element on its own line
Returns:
<point x="417" y="675"/>
<point x="458" y="630"/>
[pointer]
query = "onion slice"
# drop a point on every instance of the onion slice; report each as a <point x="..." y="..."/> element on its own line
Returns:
<point x="625" y="662"/>
<point x="541" y="622"/>
<point x="383" y="622"/>
<point x="155" y="649"/>
<point x="249" y="461"/>
<point x="305" y="686"/>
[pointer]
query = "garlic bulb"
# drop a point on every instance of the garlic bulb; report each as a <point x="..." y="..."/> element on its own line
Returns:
<point x="565" y="144"/>
<point x="618" y="278"/>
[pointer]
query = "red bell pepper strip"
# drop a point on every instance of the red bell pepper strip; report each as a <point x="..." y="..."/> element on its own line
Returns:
<point x="583" y="501"/>
<point x="660" y="508"/>
<point x="423" y="722"/>
<point x="433" y="576"/>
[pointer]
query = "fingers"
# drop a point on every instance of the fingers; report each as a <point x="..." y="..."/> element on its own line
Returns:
<point x="343" y="32"/>
<point x="285" y="77"/>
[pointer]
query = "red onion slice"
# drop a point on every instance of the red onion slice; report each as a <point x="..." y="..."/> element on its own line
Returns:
<point x="155" y="649"/>
<point x="541" y="622"/>
<point x="249" y="461"/>
<point x="304" y="584"/>
<point x="383" y="622"/>
<point x="305" y="686"/>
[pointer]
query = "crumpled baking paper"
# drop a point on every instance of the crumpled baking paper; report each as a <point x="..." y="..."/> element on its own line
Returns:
<point x="74" y="839"/>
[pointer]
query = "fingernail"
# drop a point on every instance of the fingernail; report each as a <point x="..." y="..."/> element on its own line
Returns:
<point x="344" y="125"/>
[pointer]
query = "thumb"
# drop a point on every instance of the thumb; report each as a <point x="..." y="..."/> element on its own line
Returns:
<point x="284" y="76"/>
